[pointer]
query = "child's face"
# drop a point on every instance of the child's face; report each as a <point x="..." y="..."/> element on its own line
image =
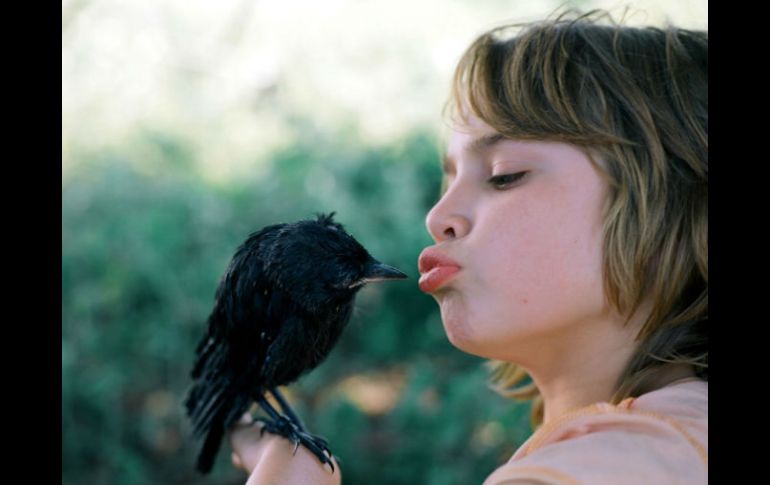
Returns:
<point x="530" y="248"/>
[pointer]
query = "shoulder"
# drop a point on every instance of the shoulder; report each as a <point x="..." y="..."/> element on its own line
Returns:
<point x="659" y="437"/>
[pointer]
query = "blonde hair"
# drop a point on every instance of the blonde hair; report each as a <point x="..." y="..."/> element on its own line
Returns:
<point x="637" y="98"/>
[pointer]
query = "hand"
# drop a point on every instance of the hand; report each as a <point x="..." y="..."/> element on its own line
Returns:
<point x="270" y="460"/>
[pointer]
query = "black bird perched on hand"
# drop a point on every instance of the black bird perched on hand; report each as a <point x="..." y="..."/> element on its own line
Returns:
<point x="280" y="307"/>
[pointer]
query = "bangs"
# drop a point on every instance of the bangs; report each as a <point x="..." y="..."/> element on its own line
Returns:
<point x="537" y="85"/>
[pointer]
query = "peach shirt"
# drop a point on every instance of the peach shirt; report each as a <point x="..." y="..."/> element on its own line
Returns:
<point x="657" y="438"/>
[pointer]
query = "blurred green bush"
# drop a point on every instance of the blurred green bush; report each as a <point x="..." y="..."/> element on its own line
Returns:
<point x="143" y="247"/>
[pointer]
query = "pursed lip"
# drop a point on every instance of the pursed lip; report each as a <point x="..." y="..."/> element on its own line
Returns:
<point x="435" y="268"/>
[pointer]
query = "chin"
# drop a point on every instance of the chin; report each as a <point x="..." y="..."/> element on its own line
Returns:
<point x="472" y="339"/>
<point x="460" y="333"/>
<point x="455" y="338"/>
<point x="455" y="320"/>
<point x="458" y="325"/>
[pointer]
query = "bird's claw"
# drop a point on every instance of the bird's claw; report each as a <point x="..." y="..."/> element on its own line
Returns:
<point x="265" y="423"/>
<point x="286" y="428"/>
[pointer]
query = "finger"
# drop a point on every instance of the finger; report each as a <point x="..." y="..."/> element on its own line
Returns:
<point x="236" y="460"/>
<point x="245" y="422"/>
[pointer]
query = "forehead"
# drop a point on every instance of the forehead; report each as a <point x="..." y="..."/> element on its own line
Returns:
<point x="476" y="138"/>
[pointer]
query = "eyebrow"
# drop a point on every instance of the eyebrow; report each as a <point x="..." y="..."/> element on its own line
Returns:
<point x="479" y="144"/>
<point x="484" y="142"/>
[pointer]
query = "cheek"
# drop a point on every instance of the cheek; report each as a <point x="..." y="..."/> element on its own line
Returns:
<point x="548" y="242"/>
<point x="552" y="264"/>
<point x="542" y="269"/>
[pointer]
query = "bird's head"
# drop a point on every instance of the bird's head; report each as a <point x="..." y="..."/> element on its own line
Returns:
<point x="318" y="262"/>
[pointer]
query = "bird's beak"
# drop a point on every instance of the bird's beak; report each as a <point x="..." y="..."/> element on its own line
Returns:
<point x="380" y="272"/>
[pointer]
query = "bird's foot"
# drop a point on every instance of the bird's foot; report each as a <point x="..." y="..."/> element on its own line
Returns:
<point x="283" y="426"/>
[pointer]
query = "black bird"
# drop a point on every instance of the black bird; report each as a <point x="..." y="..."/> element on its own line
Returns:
<point x="280" y="307"/>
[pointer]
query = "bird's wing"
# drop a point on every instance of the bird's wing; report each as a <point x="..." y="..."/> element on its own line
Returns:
<point x="228" y="358"/>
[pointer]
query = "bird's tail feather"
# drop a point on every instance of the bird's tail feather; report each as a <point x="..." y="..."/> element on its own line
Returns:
<point x="207" y="398"/>
<point x="210" y="448"/>
<point x="219" y="421"/>
<point x="211" y="404"/>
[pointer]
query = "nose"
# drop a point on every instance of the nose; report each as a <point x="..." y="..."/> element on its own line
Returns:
<point x="446" y="220"/>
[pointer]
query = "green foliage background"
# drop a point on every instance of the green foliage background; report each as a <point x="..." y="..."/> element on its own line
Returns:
<point x="142" y="253"/>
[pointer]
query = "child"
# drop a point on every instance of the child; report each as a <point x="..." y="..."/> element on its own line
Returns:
<point x="571" y="247"/>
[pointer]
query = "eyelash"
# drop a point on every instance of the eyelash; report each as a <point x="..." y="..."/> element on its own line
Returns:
<point x="501" y="182"/>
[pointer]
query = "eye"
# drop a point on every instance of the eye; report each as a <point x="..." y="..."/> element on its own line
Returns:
<point x="501" y="182"/>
